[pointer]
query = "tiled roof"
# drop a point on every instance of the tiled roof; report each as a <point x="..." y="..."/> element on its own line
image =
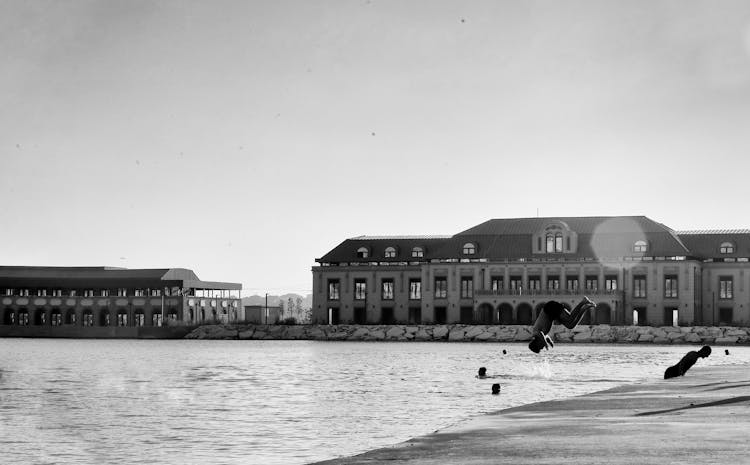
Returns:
<point x="502" y="239"/>
<point x="101" y="275"/>
<point x="580" y="224"/>
<point x="384" y="238"/>
<point x="347" y="250"/>
<point x="708" y="244"/>
<point x="712" y="232"/>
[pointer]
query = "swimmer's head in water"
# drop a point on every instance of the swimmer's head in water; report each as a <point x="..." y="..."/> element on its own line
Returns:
<point x="705" y="351"/>
<point x="537" y="343"/>
<point x="482" y="371"/>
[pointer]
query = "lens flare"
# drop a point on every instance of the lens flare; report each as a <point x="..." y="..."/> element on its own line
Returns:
<point x="616" y="238"/>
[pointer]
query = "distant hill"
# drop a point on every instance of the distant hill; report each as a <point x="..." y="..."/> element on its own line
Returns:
<point x="273" y="300"/>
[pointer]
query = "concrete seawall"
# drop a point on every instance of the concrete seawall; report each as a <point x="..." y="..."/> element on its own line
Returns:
<point x="702" y="417"/>
<point x="724" y="335"/>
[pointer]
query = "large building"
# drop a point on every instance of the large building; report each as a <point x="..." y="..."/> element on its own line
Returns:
<point x="87" y="298"/>
<point x="502" y="271"/>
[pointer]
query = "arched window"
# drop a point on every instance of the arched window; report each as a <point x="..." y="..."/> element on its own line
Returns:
<point x="469" y="249"/>
<point x="726" y="247"/>
<point x="417" y="252"/>
<point x="390" y="252"/>
<point x="554" y="242"/>
<point x="363" y="252"/>
<point x="640" y="246"/>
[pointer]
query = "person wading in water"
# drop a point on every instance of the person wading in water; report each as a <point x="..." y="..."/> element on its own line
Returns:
<point x="686" y="362"/>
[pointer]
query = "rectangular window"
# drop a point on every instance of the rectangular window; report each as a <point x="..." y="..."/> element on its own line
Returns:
<point x="725" y="316"/>
<point x="726" y="287"/>
<point x="122" y="292"/>
<point x="535" y="283"/>
<point x="670" y="287"/>
<point x="639" y="287"/>
<point x="41" y="292"/>
<point x="553" y="283"/>
<point x="516" y="283"/>
<point x="610" y="283"/>
<point x="57" y="293"/>
<point x="572" y="284"/>
<point x="440" y="315"/>
<point x="415" y="315"/>
<point x="334" y="289"/>
<point x="140" y="293"/>
<point x="466" y="317"/>
<point x="592" y="283"/>
<point x="88" y="293"/>
<point x="441" y="288"/>
<point x="639" y="316"/>
<point x="415" y="289"/>
<point x="386" y="316"/>
<point x="105" y="292"/>
<point x="671" y="316"/>
<point x="497" y="284"/>
<point x="467" y="288"/>
<point x="155" y="292"/>
<point x="386" y="289"/>
<point x="360" y="316"/>
<point x="360" y="289"/>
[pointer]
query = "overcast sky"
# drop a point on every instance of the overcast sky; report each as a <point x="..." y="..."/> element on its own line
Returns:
<point x="245" y="139"/>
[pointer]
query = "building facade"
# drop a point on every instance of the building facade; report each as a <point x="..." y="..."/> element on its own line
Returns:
<point x="262" y="315"/>
<point x="93" y="297"/>
<point x="503" y="271"/>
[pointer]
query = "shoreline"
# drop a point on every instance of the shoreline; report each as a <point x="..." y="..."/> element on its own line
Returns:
<point x="714" y="335"/>
<point x="702" y="417"/>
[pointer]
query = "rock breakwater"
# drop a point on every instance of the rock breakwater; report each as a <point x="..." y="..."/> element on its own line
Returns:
<point x="724" y="335"/>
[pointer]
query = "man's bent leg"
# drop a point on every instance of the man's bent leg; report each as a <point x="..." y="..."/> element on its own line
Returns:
<point x="571" y="319"/>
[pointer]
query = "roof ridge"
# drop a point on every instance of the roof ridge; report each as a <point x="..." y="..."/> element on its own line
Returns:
<point x="690" y="232"/>
<point x="371" y="238"/>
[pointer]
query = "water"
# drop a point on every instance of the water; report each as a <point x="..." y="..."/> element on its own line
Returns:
<point x="279" y="402"/>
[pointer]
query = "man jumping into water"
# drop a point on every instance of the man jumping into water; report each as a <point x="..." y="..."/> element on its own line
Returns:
<point x="552" y="312"/>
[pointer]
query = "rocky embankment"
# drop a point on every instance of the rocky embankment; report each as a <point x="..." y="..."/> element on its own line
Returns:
<point x="479" y="333"/>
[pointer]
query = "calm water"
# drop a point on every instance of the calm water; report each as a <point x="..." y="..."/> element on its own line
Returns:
<point x="278" y="402"/>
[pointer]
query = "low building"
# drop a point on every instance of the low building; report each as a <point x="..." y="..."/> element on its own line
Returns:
<point x="260" y="314"/>
<point x="502" y="271"/>
<point x="95" y="297"/>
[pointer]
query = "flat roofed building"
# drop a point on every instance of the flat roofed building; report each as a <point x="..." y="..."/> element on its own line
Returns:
<point x="502" y="271"/>
<point x="106" y="296"/>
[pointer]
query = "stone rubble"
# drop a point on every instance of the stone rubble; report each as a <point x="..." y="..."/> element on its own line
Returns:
<point x="723" y="335"/>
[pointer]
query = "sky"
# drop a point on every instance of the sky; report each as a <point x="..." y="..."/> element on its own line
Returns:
<point x="245" y="139"/>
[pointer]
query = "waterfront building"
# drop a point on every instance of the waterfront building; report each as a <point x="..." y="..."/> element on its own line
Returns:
<point x="639" y="271"/>
<point x="261" y="314"/>
<point x="86" y="298"/>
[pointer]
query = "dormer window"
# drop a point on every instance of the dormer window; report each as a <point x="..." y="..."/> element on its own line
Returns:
<point x="390" y="252"/>
<point x="554" y="237"/>
<point x="363" y="252"/>
<point x="640" y="246"/>
<point x="417" y="252"/>
<point x="726" y="247"/>
<point x="469" y="249"/>
<point x="554" y="242"/>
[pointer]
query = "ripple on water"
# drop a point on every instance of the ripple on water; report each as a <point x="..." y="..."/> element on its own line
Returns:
<point x="274" y="402"/>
